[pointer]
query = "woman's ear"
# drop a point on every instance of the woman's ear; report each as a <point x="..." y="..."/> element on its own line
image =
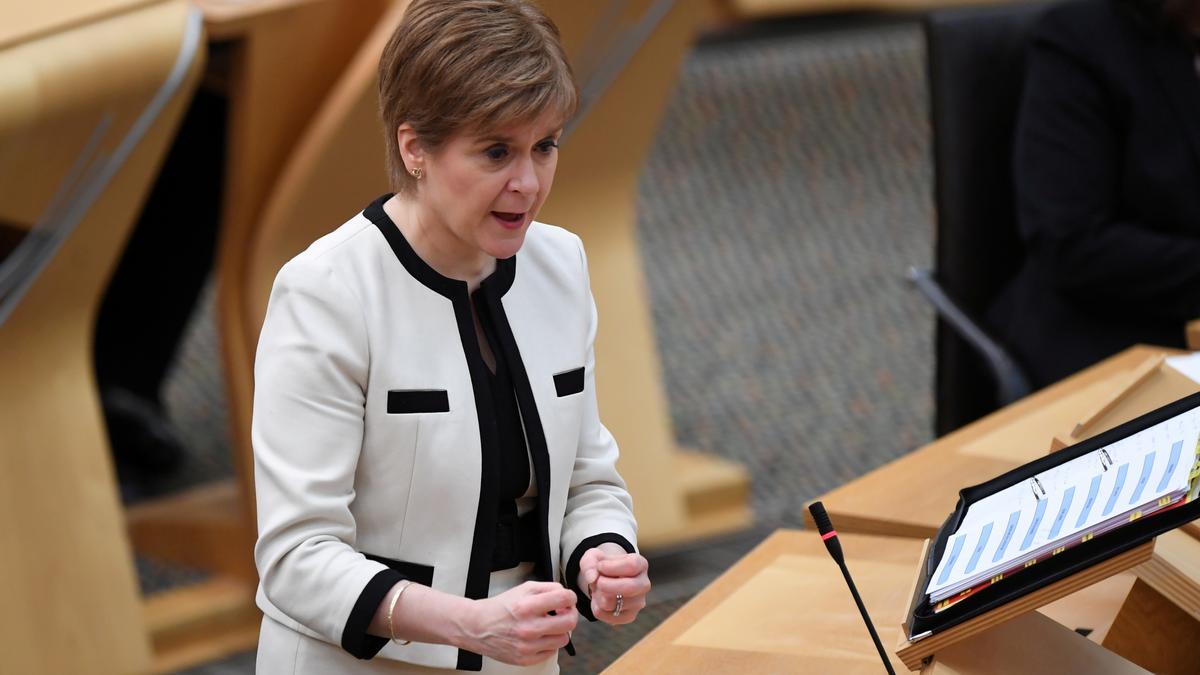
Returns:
<point x="411" y="150"/>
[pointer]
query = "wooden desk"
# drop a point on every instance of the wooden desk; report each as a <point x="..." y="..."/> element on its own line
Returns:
<point x="913" y="495"/>
<point x="784" y="608"/>
<point x="926" y="482"/>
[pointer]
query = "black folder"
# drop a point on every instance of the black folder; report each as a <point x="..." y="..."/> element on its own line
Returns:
<point x="923" y="621"/>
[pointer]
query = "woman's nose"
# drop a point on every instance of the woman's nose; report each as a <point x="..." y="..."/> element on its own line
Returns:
<point x="524" y="178"/>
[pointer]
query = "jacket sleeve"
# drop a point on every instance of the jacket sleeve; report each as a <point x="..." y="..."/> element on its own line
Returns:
<point x="599" y="508"/>
<point x="1070" y="150"/>
<point x="310" y="375"/>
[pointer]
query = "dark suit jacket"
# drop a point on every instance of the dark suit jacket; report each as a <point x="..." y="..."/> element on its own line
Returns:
<point x="1107" y="169"/>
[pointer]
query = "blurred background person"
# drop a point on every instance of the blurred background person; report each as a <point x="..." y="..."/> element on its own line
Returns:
<point x="1107" y="175"/>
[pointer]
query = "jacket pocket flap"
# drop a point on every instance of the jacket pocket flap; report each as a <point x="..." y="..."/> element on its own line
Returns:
<point x="569" y="382"/>
<point x="401" y="401"/>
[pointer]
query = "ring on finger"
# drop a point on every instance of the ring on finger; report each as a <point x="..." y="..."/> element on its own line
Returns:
<point x="620" y="605"/>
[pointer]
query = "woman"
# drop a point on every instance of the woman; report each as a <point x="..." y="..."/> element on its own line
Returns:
<point x="1107" y="172"/>
<point x="429" y="462"/>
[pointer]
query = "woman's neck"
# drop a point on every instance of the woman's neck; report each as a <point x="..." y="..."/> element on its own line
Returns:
<point x="436" y="244"/>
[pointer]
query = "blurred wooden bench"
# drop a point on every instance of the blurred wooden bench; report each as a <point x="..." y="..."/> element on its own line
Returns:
<point x="91" y="94"/>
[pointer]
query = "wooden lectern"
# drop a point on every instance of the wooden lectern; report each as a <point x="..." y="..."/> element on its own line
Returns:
<point x="1157" y="626"/>
<point x="1016" y="639"/>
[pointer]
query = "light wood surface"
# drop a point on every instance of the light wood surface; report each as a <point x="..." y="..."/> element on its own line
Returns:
<point x="338" y="167"/>
<point x="1153" y="631"/>
<point x="1151" y="385"/>
<point x="1030" y="644"/>
<point x="29" y="21"/>
<point x="784" y="608"/>
<point x="1174" y="571"/>
<point x="201" y="622"/>
<point x="238" y="19"/>
<point x="71" y="601"/>
<point x="744" y="10"/>
<point x="202" y="528"/>
<point x="1123" y="390"/>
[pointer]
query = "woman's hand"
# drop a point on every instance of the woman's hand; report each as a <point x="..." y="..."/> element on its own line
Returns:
<point x="516" y="626"/>
<point x="607" y="572"/>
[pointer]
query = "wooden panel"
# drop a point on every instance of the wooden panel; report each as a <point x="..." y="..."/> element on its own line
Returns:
<point x="195" y="624"/>
<point x="1154" y="633"/>
<point x="28" y="21"/>
<point x="71" y="597"/>
<point x="234" y="19"/>
<point x="767" y="9"/>
<point x="1174" y="571"/>
<point x="1029" y="645"/>
<point x="1157" y="387"/>
<point x="203" y="528"/>
<point x="1093" y="608"/>
<point x="1046" y="420"/>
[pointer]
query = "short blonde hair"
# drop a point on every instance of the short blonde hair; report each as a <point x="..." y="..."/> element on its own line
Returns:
<point x="454" y="65"/>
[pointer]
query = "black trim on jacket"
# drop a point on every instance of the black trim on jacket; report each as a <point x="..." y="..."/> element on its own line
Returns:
<point x="355" y="638"/>
<point x="571" y="572"/>
<point x="535" y="435"/>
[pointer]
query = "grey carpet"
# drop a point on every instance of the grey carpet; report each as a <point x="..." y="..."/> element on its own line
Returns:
<point x="786" y="194"/>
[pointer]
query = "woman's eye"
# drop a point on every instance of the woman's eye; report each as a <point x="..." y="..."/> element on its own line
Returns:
<point x="496" y="152"/>
<point x="545" y="147"/>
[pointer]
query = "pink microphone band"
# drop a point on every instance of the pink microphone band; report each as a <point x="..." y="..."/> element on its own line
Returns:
<point x="827" y="535"/>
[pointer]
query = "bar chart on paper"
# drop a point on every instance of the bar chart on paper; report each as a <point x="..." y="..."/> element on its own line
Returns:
<point x="1147" y="472"/>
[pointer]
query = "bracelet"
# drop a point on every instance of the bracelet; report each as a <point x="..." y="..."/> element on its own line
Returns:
<point x="404" y="584"/>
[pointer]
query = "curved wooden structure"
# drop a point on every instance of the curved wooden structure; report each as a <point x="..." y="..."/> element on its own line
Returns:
<point x="72" y="603"/>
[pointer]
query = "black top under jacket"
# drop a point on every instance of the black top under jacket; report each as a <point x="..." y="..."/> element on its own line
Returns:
<point x="1107" y="174"/>
<point x="516" y="537"/>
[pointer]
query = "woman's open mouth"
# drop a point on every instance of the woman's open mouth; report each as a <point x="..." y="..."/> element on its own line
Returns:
<point x="511" y="221"/>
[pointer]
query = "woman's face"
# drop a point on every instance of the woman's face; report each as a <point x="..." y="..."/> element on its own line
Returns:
<point x="481" y="190"/>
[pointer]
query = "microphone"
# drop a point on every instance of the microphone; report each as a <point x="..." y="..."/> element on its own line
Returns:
<point x="829" y="535"/>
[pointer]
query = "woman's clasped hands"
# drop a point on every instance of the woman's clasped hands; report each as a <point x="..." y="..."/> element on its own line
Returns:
<point x="516" y="627"/>
<point x="617" y="582"/>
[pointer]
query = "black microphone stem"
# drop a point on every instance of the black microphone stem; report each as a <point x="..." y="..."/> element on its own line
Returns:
<point x="829" y="536"/>
<point x="863" y="610"/>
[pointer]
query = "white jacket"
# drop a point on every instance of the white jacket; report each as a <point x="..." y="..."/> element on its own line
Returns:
<point x="373" y="431"/>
